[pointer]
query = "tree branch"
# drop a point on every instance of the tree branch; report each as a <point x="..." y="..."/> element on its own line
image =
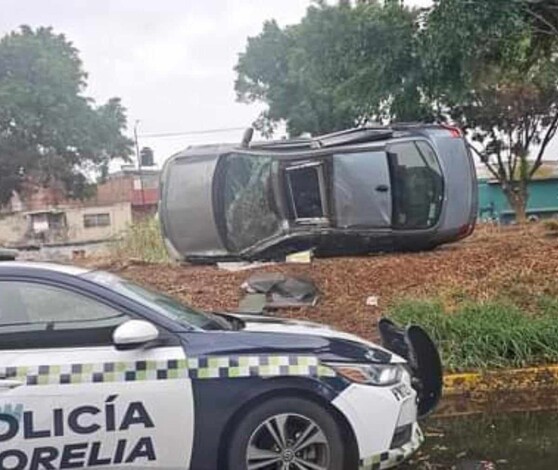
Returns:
<point x="484" y="159"/>
<point x="501" y="166"/>
<point x="533" y="132"/>
<point x="553" y="30"/>
<point x="511" y="153"/>
<point x="550" y="133"/>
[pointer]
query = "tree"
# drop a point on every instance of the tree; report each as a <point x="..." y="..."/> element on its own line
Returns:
<point x="49" y="132"/>
<point x="343" y="65"/>
<point x="487" y="67"/>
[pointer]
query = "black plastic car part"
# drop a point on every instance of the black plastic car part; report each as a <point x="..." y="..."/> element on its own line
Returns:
<point x="415" y="345"/>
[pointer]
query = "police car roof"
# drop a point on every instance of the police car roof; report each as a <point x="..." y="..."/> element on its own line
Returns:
<point x="52" y="267"/>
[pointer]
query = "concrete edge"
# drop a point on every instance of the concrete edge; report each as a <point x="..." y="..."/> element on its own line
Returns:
<point x="503" y="380"/>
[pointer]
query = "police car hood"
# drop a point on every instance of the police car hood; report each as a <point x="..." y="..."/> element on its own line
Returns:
<point x="343" y="340"/>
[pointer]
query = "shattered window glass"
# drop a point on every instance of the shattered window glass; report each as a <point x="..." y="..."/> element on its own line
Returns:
<point x="248" y="202"/>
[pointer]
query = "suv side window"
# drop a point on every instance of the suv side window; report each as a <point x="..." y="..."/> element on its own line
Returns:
<point x="34" y="315"/>
<point x="306" y="189"/>
<point x="418" y="185"/>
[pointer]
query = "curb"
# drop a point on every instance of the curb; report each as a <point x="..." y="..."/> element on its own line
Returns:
<point x="531" y="378"/>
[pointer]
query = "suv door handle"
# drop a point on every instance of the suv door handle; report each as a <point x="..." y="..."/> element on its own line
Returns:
<point x="6" y="383"/>
<point x="382" y="188"/>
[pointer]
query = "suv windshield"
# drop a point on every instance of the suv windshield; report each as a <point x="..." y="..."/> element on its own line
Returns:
<point x="247" y="200"/>
<point x="161" y="303"/>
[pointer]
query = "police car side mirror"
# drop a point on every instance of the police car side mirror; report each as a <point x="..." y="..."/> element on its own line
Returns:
<point x="134" y="333"/>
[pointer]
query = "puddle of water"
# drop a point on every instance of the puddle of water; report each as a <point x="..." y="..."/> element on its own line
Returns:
<point x="505" y="432"/>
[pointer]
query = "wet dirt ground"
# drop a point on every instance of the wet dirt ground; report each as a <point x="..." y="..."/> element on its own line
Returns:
<point x="519" y="265"/>
<point x="500" y="432"/>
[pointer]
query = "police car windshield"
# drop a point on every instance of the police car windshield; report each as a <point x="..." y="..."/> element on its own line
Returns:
<point x="161" y="303"/>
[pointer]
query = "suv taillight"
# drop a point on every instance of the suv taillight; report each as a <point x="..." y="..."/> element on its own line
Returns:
<point x="455" y="132"/>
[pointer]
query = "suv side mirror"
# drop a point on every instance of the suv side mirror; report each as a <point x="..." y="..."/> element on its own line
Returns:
<point x="135" y="333"/>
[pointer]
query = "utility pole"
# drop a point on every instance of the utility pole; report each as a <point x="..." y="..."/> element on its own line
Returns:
<point x="138" y="156"/>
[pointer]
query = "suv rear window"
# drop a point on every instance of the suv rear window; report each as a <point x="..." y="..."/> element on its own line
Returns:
<point x="418" y="185"/>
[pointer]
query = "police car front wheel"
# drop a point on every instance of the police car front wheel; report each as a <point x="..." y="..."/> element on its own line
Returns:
<point x="287" y="434"/>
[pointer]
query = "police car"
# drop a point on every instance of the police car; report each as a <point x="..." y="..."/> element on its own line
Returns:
<point x="98" y="372"/>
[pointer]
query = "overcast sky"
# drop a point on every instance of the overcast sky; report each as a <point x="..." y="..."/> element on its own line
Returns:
<point x="171" y="61"/>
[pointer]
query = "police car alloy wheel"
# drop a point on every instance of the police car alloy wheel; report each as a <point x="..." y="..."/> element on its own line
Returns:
<point x="287" y="434"/>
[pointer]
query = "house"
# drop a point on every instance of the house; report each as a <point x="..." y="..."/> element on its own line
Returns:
<point x="542" y="202"/>
<point x="46" y="217"/>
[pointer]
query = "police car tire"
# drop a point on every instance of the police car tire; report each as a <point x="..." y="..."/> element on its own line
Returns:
<point x="306" y="408"/>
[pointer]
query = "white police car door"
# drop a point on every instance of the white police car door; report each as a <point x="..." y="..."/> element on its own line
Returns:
<point x="70" y="399"/>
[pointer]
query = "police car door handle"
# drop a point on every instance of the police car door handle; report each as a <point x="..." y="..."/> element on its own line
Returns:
<point x="5" y="383"/>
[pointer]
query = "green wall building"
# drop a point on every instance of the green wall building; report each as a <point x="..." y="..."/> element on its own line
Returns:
<point x="542" y="203"/>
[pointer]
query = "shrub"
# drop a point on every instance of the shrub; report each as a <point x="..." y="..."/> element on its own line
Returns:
<point x="142" y="242"/>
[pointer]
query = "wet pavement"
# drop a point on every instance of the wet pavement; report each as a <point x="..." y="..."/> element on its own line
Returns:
<point x="506" y="432"/>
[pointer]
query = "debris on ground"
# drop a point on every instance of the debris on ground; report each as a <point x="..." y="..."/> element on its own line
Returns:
<point x="302" y="257"/>
<point x="476" y="465"/>
<point x="236" y="266"/>
<point x="281" y="291"/>
<point x="252" y="303"/>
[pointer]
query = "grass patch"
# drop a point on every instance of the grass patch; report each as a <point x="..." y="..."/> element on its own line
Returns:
<point x="486" y="335"/>
<point x="143" y="242"/>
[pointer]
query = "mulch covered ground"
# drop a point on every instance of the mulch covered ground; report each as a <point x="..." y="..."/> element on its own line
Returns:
<point x="513" y="264"/>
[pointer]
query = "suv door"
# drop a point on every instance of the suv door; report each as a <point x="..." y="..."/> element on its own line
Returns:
<point x="70" y="399"/>
<point x="362" y="190"/>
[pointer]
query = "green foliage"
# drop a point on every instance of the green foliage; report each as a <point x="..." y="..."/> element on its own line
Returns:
<point x="486" y="335"/>
<point x="49" y="131"/>
<point x="342" y="66"/>
<point x="489" y="65"/>
<point x="142" y="241"/>
<point x="486" y="66"/>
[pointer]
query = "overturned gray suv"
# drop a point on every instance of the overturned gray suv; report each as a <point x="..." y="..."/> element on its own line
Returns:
<point x="403" y="187"/>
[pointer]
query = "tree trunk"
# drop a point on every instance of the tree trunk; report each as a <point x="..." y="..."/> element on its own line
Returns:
<point x="517" y="198"/>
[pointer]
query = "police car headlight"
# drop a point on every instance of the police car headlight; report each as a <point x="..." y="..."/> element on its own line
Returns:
<point x="372" y="374"/>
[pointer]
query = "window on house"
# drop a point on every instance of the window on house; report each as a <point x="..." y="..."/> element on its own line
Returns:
<point x="96" y="220"/>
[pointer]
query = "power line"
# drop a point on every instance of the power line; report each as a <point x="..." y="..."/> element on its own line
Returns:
<point x="205" y="131"/>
